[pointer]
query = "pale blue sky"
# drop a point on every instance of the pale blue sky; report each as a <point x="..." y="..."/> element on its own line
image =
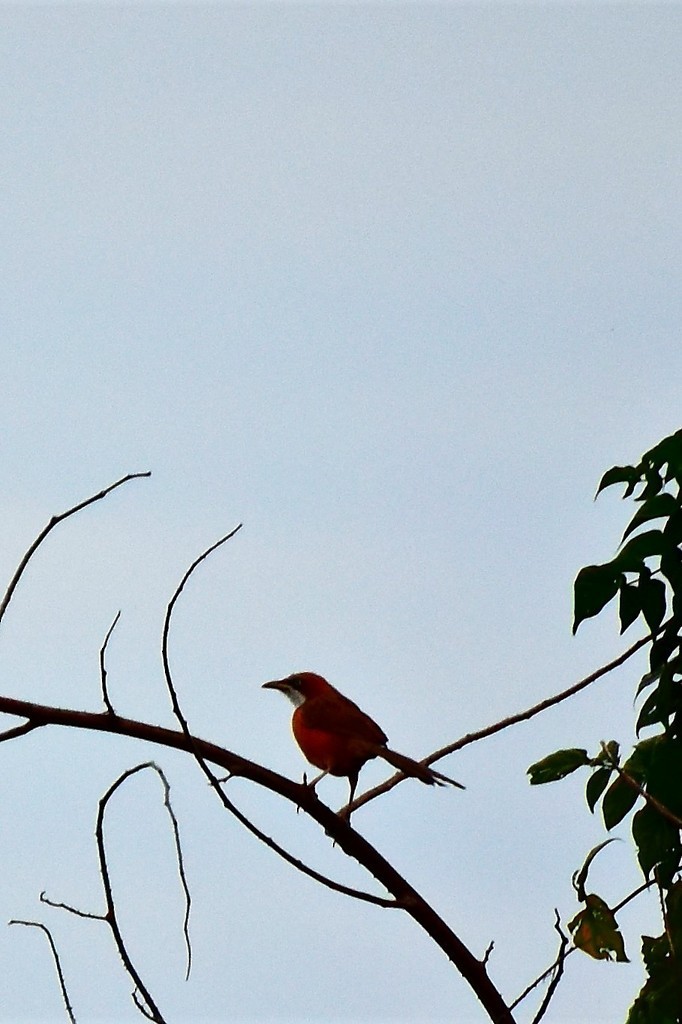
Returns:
<point x="393" y="285"/>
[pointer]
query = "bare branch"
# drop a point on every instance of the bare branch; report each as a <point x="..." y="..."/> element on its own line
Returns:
<point x="212" y="778"/>
<point x="559" y="965"/>
<point x="545" y="974"/>
<point x="147" y="1006"/>
<point x="167" y="621"/>
<point x="506" y="723"/>
<point x="345" y="836"/>
<point x="72" y="910"/>
<point x="180" y="860"/>
<point x="57" y="963"/>
<point x="102" y="665"/>
<point x="472" y="969"/>
<point x="55" y="521"/>
<point x="18" y="730"/>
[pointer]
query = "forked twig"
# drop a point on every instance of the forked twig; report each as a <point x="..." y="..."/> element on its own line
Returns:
<point x="144" y="1000"/>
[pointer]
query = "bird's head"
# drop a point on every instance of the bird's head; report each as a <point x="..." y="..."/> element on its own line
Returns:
<point x="299" y="686"/>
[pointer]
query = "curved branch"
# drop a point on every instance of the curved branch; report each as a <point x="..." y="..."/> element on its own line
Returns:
<point x="505" y="723"/>
<point x="212" y="778"/>
<point x="344" y="835"/>
<point x="57" y="963"/>
<point x="149" y="1007"/>
<point x="103" y="667"/>
<point x="4" y="604"/>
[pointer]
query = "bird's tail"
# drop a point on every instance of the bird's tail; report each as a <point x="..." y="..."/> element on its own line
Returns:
<point x="416" y="770"/>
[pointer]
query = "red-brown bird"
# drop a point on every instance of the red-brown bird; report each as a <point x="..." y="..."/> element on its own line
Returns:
<point x="337" y="737"/>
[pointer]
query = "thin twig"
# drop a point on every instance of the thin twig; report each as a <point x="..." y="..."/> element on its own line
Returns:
<point x="541" y="977"/>
<point x="18" y="730"/>
<point x="181" y="864"/>
<point x="149" y="1007"/>
<point x="212" y="778"/>
<point x="351" y="842"/>
<point x="57" y="963"/>
<point x="50" y="526"/>
<point x="102" y="665"/>
<point x="505" y="723"/>
<point x="44" y="898"/>
<point x="559" y="965"/>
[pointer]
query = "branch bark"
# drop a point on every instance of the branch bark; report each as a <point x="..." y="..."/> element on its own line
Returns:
<point x="344" y="835"/>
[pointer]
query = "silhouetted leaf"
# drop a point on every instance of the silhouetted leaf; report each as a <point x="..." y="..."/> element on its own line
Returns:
<point x="651" y="713"/>
<point x="596" y="784"/>
<point x="557" y="765"/>
<point x="619" y="475"/>
<point x="594" y="587"/>
<point x="659" y="1000"/>
<point x="618" y="801"/>
<point x="652" y="595"/>
<point x="656" y="507"/>
<point x="644" y="545"/>
<point x="663" y="647"/>
<point x="629" y="605"/>
<point x="658" y="844"/>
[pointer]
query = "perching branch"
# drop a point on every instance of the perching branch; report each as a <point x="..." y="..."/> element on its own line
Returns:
<point x="352" y="843"/>
<point x="346" y="838"/>
<point x="214" y="782"/>
<point x="506" y="723"/>
<point x="57" y="963"/>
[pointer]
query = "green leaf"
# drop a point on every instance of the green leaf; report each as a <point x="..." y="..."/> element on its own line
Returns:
<point x="596" y="784"/>
<point x="618" y="801"/>
<point x="594" y="587"/>
<point x="629" y="605"/>
<point x="619" y="475"/>
<point x="655" y="508"/>
<point x="557" y="765"/>
<point x="596" y="932"/>
<point x="643" y="545"/>
<point x="658" y="844"/>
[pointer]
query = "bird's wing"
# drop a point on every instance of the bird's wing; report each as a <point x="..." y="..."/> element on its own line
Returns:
<point x="339" y="716"/>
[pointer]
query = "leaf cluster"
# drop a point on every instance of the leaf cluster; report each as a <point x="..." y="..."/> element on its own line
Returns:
<point x="645" y="577"/>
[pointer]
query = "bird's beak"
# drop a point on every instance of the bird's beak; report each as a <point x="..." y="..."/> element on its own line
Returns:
<point x="274" y="684"/>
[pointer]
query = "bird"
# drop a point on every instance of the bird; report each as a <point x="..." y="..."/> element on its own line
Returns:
<point x="337" y="737"/>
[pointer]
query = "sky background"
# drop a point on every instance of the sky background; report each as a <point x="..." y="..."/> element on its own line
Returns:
<point x="392" y="285"/>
